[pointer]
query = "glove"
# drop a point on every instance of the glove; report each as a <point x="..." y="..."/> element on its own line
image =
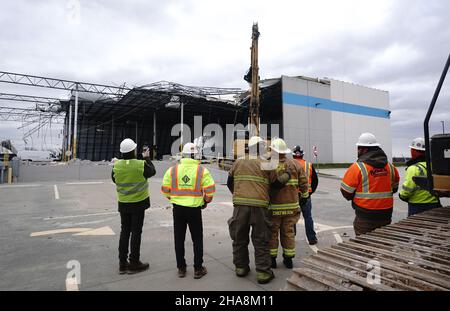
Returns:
<point x="204" y="206"/>
<point x="284" y="176"/>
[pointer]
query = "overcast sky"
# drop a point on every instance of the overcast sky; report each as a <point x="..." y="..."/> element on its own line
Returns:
<point x="397" y="46"/>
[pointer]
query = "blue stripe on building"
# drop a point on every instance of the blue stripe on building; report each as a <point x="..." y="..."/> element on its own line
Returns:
<point x="328" y="104"/>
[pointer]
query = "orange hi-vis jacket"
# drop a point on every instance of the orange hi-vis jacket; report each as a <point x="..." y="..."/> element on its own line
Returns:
<point x="373" y="187"/>
<point x="307" y="166"/>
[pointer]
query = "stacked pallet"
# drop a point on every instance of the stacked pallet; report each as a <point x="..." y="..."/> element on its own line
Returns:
<point x="412" y="255"/>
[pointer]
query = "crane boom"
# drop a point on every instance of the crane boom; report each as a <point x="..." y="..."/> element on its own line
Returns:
<point x="253" y="116"/>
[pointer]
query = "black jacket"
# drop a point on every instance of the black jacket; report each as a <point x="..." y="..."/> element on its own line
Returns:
<point x="149" y="171"/>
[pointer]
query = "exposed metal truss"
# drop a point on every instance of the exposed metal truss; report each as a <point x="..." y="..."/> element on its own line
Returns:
<point x="27" y="98"/>
<point x="29" y="115"/>
<point x="60" y="84"/>
<point x="179" y="89"/>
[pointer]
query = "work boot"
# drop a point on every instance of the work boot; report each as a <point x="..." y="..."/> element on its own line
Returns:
<point x="200" y="272"/>
<point x="137" y="267"/>
<point x="274" y="263"/>
<point x="241" y="272"/>
<point x="313" y="242"/>
<point x="123" y="267"/>
<point x="182" y="272"/>
<point x="288" y="262"/>
<point x="264" y="277"/>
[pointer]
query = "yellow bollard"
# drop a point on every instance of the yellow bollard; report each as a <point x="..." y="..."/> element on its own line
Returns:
<point x="9" y="175"/>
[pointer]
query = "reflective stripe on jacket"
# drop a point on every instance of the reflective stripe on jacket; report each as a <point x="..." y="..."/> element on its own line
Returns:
<point x="284" y="201"/>
<point x="251" y="182"/>
<point x="307" y="166"/>
<point x="187" y="183"/>
<point x="410" y="191"/>
<point x="373" y="187"/>
<point x="131" y="185"/>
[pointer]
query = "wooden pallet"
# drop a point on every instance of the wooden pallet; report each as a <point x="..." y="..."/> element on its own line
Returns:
<point x="412" y="254"/>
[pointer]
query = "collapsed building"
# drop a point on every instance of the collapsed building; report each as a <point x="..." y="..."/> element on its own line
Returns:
<point x="324" y="114"/>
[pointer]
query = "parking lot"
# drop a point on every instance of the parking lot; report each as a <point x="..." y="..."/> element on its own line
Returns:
<point x="47" y="228"/>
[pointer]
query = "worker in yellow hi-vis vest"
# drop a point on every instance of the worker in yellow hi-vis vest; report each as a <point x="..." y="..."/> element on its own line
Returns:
<point x="130" y="176"/>
<point x="189" y="187"/>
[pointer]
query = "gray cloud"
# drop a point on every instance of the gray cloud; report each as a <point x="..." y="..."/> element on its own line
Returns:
<point x="398" y="46"/>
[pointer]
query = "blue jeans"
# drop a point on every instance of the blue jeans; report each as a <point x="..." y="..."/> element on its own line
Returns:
<point x="309" y="223"/>
<point x="416" y="208"/>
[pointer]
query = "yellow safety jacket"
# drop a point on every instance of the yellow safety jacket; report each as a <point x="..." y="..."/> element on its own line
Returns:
<point x="187" y="183"/>
<point x="131" y="185"/>
<point x="410" y="191"/>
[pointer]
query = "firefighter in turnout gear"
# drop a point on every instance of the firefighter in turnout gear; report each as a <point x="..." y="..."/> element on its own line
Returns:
<point x="284" y="205"/>
<point x="130" y="176"/>
<point x="313" y="181"/>
<point x="189" y="187"/>
<point x="419" y="200"/>
<point x="249" y="181"/>
<point x="370" y="184"/>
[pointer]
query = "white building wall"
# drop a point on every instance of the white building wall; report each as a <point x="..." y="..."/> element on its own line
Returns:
<point x="333" y="132"/>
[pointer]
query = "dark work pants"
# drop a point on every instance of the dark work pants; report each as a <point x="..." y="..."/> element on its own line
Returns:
<point x="416" y="208"/>
<point x="309" y="223"/>
<point x="192" y="217"/>
<point x="363" y="225"/>
<point x="132" y="222"/>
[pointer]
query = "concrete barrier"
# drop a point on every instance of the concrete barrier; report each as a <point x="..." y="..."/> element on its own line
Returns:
<point x="86" y="170"/>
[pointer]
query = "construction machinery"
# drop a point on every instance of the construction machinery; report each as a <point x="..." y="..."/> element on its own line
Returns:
<point x="437" y="152"/>
<point x="412" y="254"/>
<point x="240" y="144"/>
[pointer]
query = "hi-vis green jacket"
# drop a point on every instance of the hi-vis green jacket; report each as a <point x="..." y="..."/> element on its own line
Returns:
<point x="187" y="183"/>
<point x="410" y="192"/>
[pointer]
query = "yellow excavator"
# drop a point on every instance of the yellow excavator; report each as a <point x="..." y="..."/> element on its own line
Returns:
<point x="240" y="144"/>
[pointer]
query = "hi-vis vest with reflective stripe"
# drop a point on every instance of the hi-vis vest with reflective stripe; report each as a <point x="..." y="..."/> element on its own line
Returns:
<point x="375" y="189"/>
<point x="131" y="185"/>
<point x="411" y="191"/>
<point x="187" y="182"/>
<point x="307" y="166"/>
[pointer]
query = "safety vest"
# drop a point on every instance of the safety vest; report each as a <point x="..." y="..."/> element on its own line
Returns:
<point x="187" y="182"/>
<point x="307" y="166"/>
<point x="131" y="185"/>
<point x="373" y="187"/>
<point x="411" y="191"/>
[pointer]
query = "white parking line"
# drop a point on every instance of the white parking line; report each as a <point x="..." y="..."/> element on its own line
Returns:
<point x="84" y="215"/>
<point x="314" y="248"/>
<point x="71" y="284"/>
<point x="20" y="186"/>
<point x="337" y="237"/>
<point x="85" y="183"/>
<point x="56" y="192"/>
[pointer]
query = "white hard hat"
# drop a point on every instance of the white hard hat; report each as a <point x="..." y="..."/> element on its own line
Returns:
<point x="367" y="140"/>
<point x="418" y="144"/>
<point x="127" y="145"/>
<point x="279" y="146"/>
<point x="254" y="140"/>
<point x="189" y="148"/>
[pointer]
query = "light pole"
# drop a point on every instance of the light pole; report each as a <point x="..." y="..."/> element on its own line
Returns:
<point x="443" y="127"/>
<point x="175" y="102"/>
